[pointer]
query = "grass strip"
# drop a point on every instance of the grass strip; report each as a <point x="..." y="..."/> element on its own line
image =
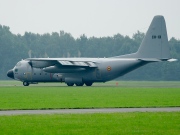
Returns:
<point x="137" y="84"/>
<point x="86" y="97"/>
<point x="90" y="124"/>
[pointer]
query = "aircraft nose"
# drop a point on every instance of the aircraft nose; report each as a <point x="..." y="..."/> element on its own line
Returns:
<point x="10" y="74"/>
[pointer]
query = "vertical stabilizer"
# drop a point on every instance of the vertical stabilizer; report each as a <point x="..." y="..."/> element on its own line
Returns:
<point x="155" y="43"/>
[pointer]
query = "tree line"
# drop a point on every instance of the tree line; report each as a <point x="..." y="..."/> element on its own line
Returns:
<point x="14" y="47"/>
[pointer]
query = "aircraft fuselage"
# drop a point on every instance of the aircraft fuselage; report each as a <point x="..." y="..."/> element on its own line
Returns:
<point x="107" y="69"/>
<point x="80" y="71"/>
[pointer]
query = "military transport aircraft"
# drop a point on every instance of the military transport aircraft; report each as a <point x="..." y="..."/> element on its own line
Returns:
<point x="80" y="71"/>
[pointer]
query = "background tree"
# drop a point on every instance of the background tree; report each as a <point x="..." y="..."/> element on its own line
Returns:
<point x="13" y="48"/>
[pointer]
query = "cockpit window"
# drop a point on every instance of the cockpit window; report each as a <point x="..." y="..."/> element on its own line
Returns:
<point x="18" y="64"/>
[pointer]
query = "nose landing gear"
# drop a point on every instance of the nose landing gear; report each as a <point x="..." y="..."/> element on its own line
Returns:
<point x="25" y="83"/>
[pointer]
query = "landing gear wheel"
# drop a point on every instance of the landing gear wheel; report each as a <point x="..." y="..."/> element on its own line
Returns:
<point x="79" y="84"/>
<point x="25" y="83"/>
<point x="70" y="84"/>
<point x="88" y="83"/>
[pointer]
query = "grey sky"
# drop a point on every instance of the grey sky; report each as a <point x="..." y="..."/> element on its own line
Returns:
<point x="90" y="17"/>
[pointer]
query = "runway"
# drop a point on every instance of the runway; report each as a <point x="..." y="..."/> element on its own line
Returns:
<point x="84" y="111"/>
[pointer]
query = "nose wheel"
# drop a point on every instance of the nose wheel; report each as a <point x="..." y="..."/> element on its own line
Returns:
<point x="25" y="83"/>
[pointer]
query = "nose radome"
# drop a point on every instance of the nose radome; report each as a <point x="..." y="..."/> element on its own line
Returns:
<point x="10" y="74"/>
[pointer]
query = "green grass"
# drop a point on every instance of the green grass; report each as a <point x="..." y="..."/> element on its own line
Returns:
<point x="86" y="97"/>
<point x="92" y="124"/>
<point x="137" y="84"/>
<point x="57" y="95"/>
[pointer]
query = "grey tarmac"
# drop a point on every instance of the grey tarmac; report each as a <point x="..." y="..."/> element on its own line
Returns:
<point x="85" y="111"/>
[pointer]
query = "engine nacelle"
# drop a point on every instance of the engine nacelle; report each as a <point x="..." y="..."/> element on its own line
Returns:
<point x="56" y="69"/>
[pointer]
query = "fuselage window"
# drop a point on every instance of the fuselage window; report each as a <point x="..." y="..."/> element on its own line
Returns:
<point x="159" y="36"/>
<point x="153" y="37"/>
<point x="34" y="73"/>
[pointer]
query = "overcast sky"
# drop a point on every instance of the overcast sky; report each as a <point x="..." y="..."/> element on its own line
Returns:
<point x="90" y="17"/>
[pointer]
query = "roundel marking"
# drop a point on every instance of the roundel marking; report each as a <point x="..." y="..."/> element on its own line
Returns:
<point x="108" y="68"/>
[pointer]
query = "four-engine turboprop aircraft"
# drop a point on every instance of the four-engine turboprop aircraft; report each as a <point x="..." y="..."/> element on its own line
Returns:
<point x="80" y="71"/>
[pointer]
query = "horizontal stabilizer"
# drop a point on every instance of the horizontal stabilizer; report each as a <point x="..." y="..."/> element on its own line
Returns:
<point x="172" y="60"/>
<point x="158" y="60"/>
<point x="150" y="60"/>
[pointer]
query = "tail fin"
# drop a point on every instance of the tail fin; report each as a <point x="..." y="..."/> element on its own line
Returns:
<point x="155" y="43"/>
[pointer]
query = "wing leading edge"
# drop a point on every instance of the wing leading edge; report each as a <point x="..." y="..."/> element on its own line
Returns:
<point x="43" y="63"/>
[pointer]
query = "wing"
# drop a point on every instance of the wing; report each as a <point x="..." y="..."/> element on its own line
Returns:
<point x="77" y="63"/>
<point x="57" y="65"/>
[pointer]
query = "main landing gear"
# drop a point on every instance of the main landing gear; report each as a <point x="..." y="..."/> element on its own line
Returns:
<point x="88" y="83"/>
<point x="80" y="84"/>
<point x="70" y="84"/>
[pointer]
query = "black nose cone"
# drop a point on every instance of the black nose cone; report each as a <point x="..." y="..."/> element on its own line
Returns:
<point x="10" y="74"/>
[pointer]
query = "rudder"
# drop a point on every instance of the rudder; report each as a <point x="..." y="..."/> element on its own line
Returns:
<point x="155" y="43"/>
